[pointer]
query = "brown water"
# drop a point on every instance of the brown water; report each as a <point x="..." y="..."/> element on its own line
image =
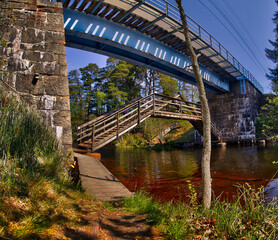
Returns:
<point x="165" y="174"/>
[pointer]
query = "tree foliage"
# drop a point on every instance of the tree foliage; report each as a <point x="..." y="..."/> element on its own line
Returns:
<point x="95" y="91"/>
<point x="272" y="54"/>
<point x="267" y="124"/>
<point x="168" y="85"/>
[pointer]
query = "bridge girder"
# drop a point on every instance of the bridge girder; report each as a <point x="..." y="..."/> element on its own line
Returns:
<point x="94" y="34"/>
<point x="159" y="20"/>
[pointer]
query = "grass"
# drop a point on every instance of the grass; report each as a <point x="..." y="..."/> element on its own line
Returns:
<point x="37" y="198"/>
<point x="247" y="217"/>
<point x="25" y="139"/>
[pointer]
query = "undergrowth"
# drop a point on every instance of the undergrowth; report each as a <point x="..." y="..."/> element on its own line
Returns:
<point x="247" y="217"/>
<point x="37" y="198"/>
<point x="25" y="141"/>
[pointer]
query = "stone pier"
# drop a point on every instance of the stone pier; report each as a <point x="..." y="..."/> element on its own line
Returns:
<point x="34" y="60"/>
<point x="235" y="113"/>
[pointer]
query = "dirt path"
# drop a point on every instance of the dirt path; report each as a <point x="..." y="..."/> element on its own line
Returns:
<point x="108" y="225"/>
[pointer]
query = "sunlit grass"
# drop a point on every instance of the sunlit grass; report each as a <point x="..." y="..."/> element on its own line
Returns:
<point x="247" y="217"/>
<point x="37" y="198"/>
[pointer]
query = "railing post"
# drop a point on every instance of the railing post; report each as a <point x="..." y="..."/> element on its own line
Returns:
<point x="118" y="124"/>
<point x="93" y="138"/>
<point x="153" y="104"/>
<point x="166" y="8"/>
<point x="139" y="112"/>
<point x="180" y="107"/>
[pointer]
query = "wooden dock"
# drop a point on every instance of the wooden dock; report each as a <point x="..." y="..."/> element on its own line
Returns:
<point x="98" y="181"/>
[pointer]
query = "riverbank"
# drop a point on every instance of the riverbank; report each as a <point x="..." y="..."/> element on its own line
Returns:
<point x="38" y="199"/>
<point x="54" y="210"/>
<point x="158" y="134"/>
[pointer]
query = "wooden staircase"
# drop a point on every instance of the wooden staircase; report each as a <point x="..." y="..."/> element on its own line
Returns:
<point x="102" y="130"/>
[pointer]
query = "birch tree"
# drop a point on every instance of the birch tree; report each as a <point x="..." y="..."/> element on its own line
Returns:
<point x="206" y="154"/>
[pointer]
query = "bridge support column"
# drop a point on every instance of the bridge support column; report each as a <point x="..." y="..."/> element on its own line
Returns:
<point x="235" y="113"/>
<point x="35" y="60"/>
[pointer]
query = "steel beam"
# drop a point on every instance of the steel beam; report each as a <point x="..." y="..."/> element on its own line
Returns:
<point x="209" y="57"/>
<point x="131" y="10"/>
<point x="169" y="34"/>
<point x="231" y="66"/>
<point x="203" y="48"/>
<point x="153" y="22"/>
<point x="97" y="6"/>
<point x="216" y="63"/>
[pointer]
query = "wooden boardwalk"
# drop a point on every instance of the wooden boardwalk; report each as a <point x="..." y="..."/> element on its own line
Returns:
<point x="98" y="181"/>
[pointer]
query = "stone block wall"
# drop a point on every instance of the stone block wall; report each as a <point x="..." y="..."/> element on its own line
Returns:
<point x="235" y="114"/>
<point x="35" y="60"/>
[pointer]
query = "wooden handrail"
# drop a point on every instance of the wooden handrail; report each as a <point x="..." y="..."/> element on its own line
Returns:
<point x="101" y="118"/>
<point x="105" y="128"/>
<point x="176" y="99"/>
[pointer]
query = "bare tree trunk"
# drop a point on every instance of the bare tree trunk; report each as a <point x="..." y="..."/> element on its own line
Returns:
<point x="206" y="177"/>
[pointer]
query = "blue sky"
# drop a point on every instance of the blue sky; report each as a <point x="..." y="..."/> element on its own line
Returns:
<point x="251" y="18"/>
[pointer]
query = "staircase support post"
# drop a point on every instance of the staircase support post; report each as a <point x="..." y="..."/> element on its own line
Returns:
<point x="93" y="138"/>
<point x="153" y="104"/>
<point x="139" y="112"/>
<point x="118" y="124"/>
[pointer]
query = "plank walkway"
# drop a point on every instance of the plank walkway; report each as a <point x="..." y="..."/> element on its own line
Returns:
<point x="98" y="181"/>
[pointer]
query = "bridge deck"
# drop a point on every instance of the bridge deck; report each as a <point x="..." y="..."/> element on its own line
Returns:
<point x="98" y="181"/>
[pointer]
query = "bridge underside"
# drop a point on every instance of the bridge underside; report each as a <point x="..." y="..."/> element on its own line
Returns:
<point x="113" y="49"/>
<point x="151" y="30"/>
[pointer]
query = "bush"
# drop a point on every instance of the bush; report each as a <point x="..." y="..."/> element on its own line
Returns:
<point x="129" y="140"/>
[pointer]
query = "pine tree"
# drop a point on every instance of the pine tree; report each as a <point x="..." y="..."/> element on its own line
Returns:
<point x="90" y="78"/>
<point x="76" y="100"/>
<point x="272" y="54"/>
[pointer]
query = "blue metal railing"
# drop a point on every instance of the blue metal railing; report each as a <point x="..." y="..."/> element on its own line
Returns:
<point x="173" y="11"/>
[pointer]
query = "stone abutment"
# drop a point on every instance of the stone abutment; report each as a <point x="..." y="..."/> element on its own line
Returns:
<point x="34" y="60"/>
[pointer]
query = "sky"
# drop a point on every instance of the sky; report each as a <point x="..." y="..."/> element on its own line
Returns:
<point x="246" y="37"/>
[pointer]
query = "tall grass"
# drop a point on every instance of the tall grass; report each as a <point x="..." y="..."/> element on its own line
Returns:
<point x="29" y="151"/>
<point x="25" y="141"/>
<point x="247" y="217"/>
<point x="36" y="198"/>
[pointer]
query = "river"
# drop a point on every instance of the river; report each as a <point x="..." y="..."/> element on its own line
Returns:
<point x="165" y="174"/>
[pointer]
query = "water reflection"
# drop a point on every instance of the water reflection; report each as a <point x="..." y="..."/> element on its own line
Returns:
<point x="165" y="174"/>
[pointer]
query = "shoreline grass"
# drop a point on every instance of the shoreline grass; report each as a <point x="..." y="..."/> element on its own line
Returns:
<point x="247" y="217"/>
